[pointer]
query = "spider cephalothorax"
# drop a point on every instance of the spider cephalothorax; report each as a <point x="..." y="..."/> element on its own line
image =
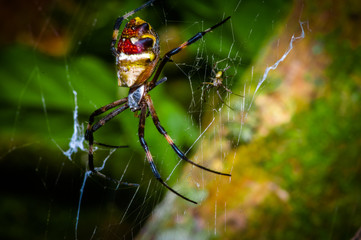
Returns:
<point x="139" y="68"/>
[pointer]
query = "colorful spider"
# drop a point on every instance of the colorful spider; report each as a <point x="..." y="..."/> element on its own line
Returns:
<point x="217" y="82"/>
<point x="137" y="59"/>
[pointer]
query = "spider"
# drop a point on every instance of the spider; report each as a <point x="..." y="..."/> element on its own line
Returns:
<point x="217" y="82"/>
<point x="137" y="59"/>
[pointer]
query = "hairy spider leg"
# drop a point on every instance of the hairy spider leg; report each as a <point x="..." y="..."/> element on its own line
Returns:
<point x="118" y="23"/>
<point x="98" y="125"/>
<point x="174" y="51"/>
<point x="169" y="139"/>
<point x="98" y="112"/>
<point x="148" y="154"/>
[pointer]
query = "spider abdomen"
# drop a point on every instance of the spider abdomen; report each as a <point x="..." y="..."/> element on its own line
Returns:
<point x="137" y="53"/>
<point x="131" y="69"/>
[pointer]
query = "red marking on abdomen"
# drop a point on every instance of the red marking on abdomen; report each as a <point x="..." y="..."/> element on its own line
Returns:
<point x="127" y="47"/>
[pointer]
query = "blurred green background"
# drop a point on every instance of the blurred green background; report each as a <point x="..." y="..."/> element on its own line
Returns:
<point x="296" y="174"/>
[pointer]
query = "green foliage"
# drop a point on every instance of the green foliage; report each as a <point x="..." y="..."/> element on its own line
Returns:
<point x="316" y="159"/>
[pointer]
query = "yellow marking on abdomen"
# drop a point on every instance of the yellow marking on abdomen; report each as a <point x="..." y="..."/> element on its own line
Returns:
<point x="130" y="67"/>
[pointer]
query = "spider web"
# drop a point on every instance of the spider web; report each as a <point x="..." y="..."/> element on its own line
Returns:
<point x="101" y="209"/>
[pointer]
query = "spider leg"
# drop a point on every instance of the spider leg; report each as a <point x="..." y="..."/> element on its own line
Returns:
<point x="109" y="146"/>
<point x="142" y="118"/>
<point x="223" y="71"/>
<point x="214" y="70"/>
<point x="174" y="51"/>
<point x="206" y="88"/>
<point x="104" y="109"/>
<point x="228" y="90"/>
<point x="161" y="81"/>
<point x="200" y="86"/>
<point x="98" y="112"/>
<point x="119" y="21"/>
<point x="94" y="128"/>
<point x="209" y="85"/>
<point x="220" y="97"/>
<point x="170" y="141"/>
